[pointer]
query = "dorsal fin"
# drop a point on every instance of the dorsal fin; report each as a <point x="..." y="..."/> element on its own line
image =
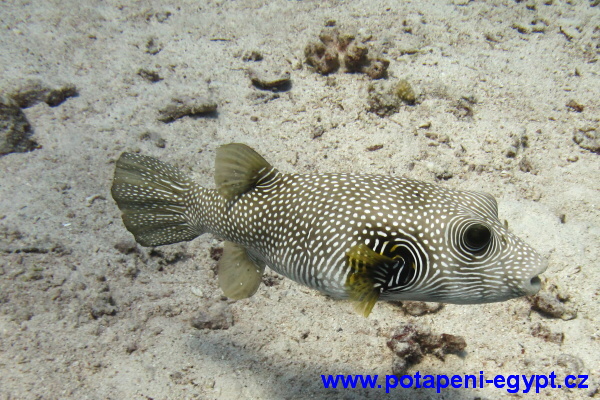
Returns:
<point x="239" y="169"/>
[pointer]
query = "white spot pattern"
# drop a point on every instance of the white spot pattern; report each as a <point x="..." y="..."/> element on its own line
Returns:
<point x="303" y="226"/>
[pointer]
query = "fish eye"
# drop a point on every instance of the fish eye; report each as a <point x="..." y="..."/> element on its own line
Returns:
<point x="477" y="237"/>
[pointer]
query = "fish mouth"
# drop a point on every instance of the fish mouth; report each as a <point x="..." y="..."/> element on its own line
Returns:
<point x="534" y="286"/>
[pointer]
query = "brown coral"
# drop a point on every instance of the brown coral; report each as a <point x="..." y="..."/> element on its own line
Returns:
<point x="341" y="51"/>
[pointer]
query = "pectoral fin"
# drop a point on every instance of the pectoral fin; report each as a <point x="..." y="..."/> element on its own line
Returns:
<point x="239" y="276"/>
<point x="362" y="284"/>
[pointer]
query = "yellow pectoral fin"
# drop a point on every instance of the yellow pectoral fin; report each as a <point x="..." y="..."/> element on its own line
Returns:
<point x="362" y="258"/>
<point x="239" y="277"/>
<point x="362" y="292"/>
<point x="360" y="284"/>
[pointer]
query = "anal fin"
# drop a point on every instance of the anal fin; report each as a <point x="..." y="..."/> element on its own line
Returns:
<point x="239" y="275"/>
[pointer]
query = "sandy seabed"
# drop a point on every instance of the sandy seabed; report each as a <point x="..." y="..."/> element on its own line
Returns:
<point x="502" y="89"/>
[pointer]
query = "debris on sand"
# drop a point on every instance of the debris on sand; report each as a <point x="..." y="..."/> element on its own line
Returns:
<point x="15" y="130"/>
<point x="542" y="331"/>
<point x="182" y="106"/>
<point x="553" y="304"/>
<point x="33" y="91"/>
<point x="588" y="138"/>
<point x="270" y="79"/>
<point x="412" y="342"/>
<point x="218" y="316"/>
<point x="149" y="75"/>
<point x="386" y="98"/>
<point x="418" y="308"/>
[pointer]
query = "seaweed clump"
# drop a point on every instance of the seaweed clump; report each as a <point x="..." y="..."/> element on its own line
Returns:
<point x="341" y="51"/>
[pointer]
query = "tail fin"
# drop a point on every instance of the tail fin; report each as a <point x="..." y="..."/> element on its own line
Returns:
<point x="156" y="199"/>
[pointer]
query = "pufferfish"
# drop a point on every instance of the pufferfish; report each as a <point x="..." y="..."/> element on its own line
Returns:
<point x="350" y="236"/>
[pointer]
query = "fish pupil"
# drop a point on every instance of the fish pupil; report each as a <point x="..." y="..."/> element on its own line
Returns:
<point x="477" y="237"/>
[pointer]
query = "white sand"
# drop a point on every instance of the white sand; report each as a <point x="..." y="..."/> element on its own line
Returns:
<point x="286" y="335"/>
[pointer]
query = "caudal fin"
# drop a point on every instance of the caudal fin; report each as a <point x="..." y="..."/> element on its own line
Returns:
<point x="156" y="200"/>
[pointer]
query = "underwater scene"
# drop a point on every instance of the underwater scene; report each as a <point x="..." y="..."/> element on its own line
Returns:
<point x="300" y="199"/>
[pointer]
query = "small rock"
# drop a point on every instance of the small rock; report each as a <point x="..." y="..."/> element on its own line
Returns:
<point x="375" y="147"/>
<point x="525" y="165"/>
<point x="418" y="308"/>
<point x="570" y="33"/>
<point x="405" y="92"/>
<point x="437" y="138"/>
<point x="575" y="106"/>
<point x="521" y="28"/>
<point x="22" y="314"/>
<point x="168" y="256"/>
<point x="511" y="152"/>
<point x="463" y="108"/>
<point x="196" y="291"/>
<point x="587" y="138"/>
<point x="218" y="316"/>
<point x="216" y="253"/>
<point x="162" y="16"/>
<point x="271" y="280"/>
<point x="322" y="58"/>
<point x="15" y="131"/>
<point x="270" y="80"/>
<point x="126" y="246"/>
<point x="383" y="98"/>
<point x="149" y="75"/>
<point x="177" y="377"/>
<point x="399" y="366"/>
<point x="441" y="172"/>
<point x="376" y="68"/>
<point x="353" y="55"/>
<point x="550" y="305"/>
<point x="182" y="106"/>
<point x="262" y="97"/>
<point x="131" y="347"/>
<point x="153" y="47"/>
<point x="155" y="138"/>
<point x="252" y="55"/>
<point x="103" y="305"/>
<point x="316" y="131"/>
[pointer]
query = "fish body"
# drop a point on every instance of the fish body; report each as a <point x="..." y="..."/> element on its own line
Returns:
<point x="350" y="236"/>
